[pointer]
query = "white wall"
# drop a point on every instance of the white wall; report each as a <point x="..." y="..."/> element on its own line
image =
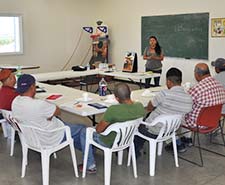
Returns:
<point x="124" y="19"/>
<point x="52" y="30"/>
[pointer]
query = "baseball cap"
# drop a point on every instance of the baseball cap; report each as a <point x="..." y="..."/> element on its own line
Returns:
<point x="5" y="73"/>
<point x="219" y="63"/>
<point x="24" y="82"/>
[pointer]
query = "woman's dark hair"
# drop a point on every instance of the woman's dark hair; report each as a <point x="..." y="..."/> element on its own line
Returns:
<point x="157" y="47"/>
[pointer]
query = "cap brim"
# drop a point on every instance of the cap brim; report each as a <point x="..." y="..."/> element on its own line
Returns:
<point x="213" y="63"/>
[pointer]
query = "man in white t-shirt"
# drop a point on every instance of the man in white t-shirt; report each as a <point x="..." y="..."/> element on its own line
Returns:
<point x="39" y="113"/>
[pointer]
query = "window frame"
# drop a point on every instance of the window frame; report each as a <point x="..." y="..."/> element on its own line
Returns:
<point x="21" y="41"/>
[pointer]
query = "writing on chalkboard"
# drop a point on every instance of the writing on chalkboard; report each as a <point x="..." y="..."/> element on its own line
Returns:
<point x="182" y="35"/>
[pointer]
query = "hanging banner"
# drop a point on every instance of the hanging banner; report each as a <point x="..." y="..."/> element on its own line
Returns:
<point x="103" y="29"/>
<point x="88" y="29"/>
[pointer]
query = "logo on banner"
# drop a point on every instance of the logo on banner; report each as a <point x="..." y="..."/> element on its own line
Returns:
<point x="88" y="29"/>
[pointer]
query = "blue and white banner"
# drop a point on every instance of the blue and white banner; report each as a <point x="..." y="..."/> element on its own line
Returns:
<point x="102" y="29"/>
<point x="88" y="29"/>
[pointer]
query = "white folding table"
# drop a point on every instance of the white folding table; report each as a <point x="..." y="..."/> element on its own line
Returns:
<point x="71" y="99"/>
<point x="78" y="74"/>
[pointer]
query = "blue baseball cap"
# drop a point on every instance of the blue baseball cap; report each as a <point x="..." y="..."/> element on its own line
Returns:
<point x="219" y="63"/>
<point x="24" y="82"/>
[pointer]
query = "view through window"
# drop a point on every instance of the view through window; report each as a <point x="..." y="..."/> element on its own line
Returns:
<point x="11" y="35"/>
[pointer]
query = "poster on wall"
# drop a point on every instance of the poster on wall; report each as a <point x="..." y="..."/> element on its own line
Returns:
<point x="130" y="62"/>
<point x="218" y="27"/>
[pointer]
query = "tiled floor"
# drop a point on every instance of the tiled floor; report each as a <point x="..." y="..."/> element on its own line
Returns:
<point x="61" y="171"/>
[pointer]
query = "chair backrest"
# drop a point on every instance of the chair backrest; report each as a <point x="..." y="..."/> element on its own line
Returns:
<point x="12" y="121"/>
<point x="168" y="123"/>
<point x="38" y="138"/>
<point x="124" y="133"/>
<point x="209" y="116"/>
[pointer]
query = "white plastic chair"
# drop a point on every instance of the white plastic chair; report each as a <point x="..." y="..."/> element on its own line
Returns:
<point x="30" y="140"/>
<point x="14" y="127"/>
<point x="170" y="123"/>
<point x="124" y="138"/>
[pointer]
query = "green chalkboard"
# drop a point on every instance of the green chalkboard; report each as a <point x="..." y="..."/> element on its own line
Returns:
<point x="183" y="35"/>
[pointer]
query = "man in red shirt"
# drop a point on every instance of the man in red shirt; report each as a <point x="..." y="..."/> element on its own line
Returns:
<point x="7" y="91"/>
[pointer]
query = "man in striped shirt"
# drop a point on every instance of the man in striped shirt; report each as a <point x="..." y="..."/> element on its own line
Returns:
<point x="173" y="100"/>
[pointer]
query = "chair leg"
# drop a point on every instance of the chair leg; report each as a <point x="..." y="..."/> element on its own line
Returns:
<point x="200" y="150"/>
<point x="4" y="128"/>
<point x="24" y="160"/>
<point x="45" y="159"/>
<point x="72" y="150"/>
<point x="200" y="153"/>
<point x="175" y="150"/>
<point x="13" y="132"/>
<point x="160" y="147"/>
<point x="134" y="163"/>
<point x="120" y="157"/>
<point x="107" y="166"/>
<point x="223" y="122"/>
<point x="152" y="157"/>
<point x="221" y="131"/>
<point x="194" y="139"/>
<point x="210" y="137"/>
<point x="87" y="145"/>
<point x="129" y="156"/>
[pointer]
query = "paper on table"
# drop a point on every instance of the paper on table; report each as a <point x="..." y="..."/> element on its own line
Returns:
<point x="54" y="97"/>
<point x="111" y="99"/>
<point x="147" y="92"/>
<point x="85" y="100"/>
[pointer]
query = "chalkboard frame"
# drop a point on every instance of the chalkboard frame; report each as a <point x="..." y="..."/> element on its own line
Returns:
<point x="183" y="39"/>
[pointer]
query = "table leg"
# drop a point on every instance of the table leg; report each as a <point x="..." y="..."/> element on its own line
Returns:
<point x="140" y="84"/>
<point x="93" y="119"/>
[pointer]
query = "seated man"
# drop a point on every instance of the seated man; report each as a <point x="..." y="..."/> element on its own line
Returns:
<point x="207" y="92"/>
<point x="7" y="91"/>
<point x="124" y="111"/>
<point x="40" y="113"/>
<point x="173" y="100"/>
<point x="220" y="76"/>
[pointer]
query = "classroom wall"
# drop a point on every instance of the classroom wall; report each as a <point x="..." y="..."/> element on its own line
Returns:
<point x="52" y="30"/>
<point x="124" y="20"/>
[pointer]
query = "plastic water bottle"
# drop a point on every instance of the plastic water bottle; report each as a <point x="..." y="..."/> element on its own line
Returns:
<point x="18" y="71"/>
<point x="88" y="67"/>
<point x="102" y="87"/>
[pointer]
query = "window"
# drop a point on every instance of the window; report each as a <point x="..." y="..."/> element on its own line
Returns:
<point x="11" y="41"/>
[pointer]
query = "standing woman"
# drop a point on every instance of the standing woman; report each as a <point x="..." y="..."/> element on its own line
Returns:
<point x="154" y="55"/>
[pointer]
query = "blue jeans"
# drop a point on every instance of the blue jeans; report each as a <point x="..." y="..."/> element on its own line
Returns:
<point x="75" y="130"/>
<point x="96" y="137"/>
